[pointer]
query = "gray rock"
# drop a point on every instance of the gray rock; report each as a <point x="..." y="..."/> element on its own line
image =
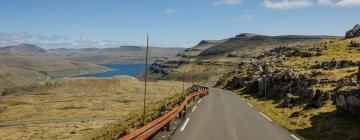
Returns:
<point x="348" y="101"/>
<point x="354" y="32"/>
<point x="354" y="44"/>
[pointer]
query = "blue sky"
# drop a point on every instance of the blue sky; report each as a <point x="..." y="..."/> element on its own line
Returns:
<point x="170" y="23"/>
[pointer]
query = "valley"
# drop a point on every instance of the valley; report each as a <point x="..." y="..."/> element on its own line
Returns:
<point x="26" y="64"/>
<point x="182" y="70"/>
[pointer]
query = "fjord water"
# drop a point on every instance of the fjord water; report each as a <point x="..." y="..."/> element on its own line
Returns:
<point x="119" y="69"/>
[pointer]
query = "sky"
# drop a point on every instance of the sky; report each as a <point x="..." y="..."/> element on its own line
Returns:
<point x="169" y="23"/>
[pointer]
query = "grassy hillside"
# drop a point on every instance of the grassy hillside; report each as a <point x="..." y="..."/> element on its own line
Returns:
<point x="77" y="98"/>
<point x="19" y="69"/>
<point x="210" y="59"/>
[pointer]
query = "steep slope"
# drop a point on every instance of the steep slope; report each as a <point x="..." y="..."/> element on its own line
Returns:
<point x="210" y="59"/>
<point x="246" y="46"/>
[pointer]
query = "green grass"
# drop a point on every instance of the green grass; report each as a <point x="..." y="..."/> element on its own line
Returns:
<point x="308" y="123"/>
<point x="133" y="121"/>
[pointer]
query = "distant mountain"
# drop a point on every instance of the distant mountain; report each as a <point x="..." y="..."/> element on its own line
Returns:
<point x="118" y="55"/>
<point x="22" y="48"/>
<point x="247" y="35"/>
<point x="24" y="64"/>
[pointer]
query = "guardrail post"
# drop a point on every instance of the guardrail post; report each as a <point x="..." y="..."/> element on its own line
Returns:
<point x="167" y="126"/>
<point x="182" y="114"/>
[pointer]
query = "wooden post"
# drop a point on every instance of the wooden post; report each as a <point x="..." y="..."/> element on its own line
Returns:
<point x="145" y="76"/>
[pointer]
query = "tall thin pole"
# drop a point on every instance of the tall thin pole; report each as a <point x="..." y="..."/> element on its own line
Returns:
<point x="145" y="77"/>
<point x="183" y="82"/>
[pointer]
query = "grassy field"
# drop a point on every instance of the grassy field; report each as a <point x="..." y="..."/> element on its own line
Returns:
<point x="308" y="123"/>
<point x="78" y="98"/>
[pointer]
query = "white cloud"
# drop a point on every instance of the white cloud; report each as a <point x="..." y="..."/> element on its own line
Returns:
<point x="325" y="2"/>
<point x="339" y="3"/>
<point x="348" y="3"/>
<point x="227" y="2"/>
<point x="287" y="4"/>
<point x="169" y="11"/>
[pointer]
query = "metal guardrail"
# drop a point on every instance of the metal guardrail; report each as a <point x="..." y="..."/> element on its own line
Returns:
<point x="151" y="128"/>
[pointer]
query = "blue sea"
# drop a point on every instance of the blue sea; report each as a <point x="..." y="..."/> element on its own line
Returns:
<point x="119" y="69"/>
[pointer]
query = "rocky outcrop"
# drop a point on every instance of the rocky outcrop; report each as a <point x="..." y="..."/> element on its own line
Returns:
<point x="354" y="32"/>
<point x="348" y="101"/>
<point x="262" y="80"/>
<point x="290" y="52"/>
<point x="334" y="64"/>
<point x="354" y="44"/>
<point x="162" y="67"/>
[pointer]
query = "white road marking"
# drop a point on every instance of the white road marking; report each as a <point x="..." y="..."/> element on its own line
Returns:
<point x="184" y="125"/>
<point x="243" y="99"/>
<point x="199" y="101"/>
<point x="250" y="105"/>
<point x="193" y="109"/>
<point x="266" y="117"/>
<point x="296" y="138"/>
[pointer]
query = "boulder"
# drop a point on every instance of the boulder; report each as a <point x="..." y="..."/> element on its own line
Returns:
<point x="235" y="82"/>
<point x="348" y="101"/>
<point x="354" y="44"/>
<point x="354" y="32"/>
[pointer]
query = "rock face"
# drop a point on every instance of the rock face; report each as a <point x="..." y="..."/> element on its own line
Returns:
<point x="334" y="64"/>
<point x="354" y="32"/>
<point x="349" y="101"/>
<point x="290" y="52"/>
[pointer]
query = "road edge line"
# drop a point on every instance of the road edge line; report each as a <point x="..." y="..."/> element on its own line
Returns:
<point x="266" y="116"/>
<point x="293" y="136"/>
<point x="193" y="109"/>
<point x="184" y="125"/>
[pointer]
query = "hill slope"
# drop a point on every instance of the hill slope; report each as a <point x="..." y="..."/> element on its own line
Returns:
<point x="25" y="64"/>
<point x="210" y="59"/>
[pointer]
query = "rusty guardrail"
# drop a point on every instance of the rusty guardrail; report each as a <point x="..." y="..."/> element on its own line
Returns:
<point x="151" y="128"/>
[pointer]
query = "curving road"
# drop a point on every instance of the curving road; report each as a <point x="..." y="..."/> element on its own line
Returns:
<point x="224" y="116"/>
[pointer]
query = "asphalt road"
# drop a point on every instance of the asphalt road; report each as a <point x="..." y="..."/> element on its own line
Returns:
<point x="224" y="116"/>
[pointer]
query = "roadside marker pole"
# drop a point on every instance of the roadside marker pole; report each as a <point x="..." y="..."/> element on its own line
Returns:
<point x="183" y="82"/>
<point x="288" y="103"/>
<point x="145" y="77"/>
